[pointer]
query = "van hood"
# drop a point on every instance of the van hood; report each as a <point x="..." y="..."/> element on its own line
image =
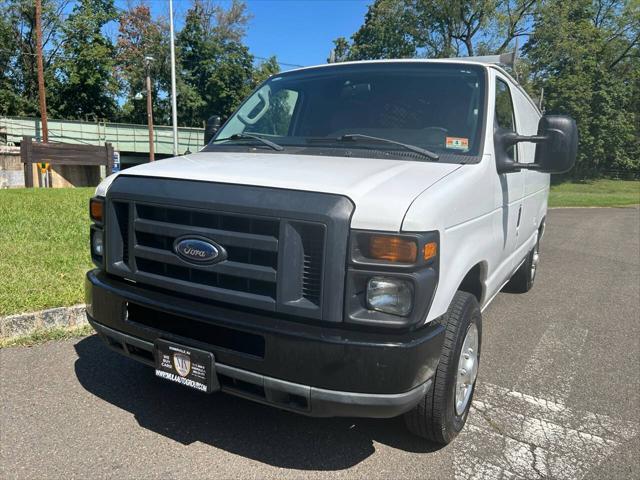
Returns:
<point x="382" y="190"/>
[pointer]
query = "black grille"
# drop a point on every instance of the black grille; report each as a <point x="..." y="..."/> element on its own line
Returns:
<point x="212" y="279"/>
<point x="313" y="251"/>
<point x="229" y="338"/>
<point x="122" y="212"/>
<point x="248" y="276"/>
<point x="251" y="245"/>
<point x="209" y="220"/>
<point x="285" y="249"/>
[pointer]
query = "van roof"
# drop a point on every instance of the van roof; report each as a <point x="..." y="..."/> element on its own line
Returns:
<point x="463" y="61"/>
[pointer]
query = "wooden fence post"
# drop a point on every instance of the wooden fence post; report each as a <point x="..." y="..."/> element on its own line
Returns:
<point x="109" y="148"/>
<point x="25" y="157"/>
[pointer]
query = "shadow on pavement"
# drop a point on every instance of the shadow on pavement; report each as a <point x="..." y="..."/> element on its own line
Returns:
<point x="239" y="426"/>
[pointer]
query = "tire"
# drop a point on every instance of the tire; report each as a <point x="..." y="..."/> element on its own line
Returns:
<point x="522" y="281"/>
<point x="438" y="417"/>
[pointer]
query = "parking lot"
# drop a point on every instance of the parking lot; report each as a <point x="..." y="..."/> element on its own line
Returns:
<point x="558" y="394"/>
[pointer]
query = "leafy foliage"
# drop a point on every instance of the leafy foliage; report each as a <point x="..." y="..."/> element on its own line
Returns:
<point x="389" y="31"/>
<point x="139" y="37"/>
<point x="86" y="83"/>
<point x="18" y="78"/>
<point x="217" y="68"/>
<point x="436" y="28"/>
<point x="8" y="83"/>
<point x="585" y="54"/>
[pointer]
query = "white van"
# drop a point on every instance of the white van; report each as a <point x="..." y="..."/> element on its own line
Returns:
<point x="331" y="249"/>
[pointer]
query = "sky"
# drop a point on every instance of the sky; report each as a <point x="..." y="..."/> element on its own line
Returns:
<point x="301" y="32"/>
<point x="297" y="32"/>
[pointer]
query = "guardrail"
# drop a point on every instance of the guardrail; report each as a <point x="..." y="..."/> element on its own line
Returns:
<point x="124" y="137"/>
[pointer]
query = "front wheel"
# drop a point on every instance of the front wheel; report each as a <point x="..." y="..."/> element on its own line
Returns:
<point x="443" y="411"/>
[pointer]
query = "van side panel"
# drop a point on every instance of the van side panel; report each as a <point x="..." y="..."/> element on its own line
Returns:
<point x="462" y="208"/>
<point x="536" y="184"/>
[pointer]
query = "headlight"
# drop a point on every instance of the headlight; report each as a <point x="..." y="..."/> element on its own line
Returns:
<point x="390" y="295"/>
<point x="97" y="244"/>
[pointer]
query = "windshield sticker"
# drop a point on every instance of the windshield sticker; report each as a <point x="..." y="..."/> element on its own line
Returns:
<point x="457" y="143"/>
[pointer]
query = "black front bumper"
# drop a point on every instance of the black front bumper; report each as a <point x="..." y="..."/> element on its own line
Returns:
<point x="311" y="369"/>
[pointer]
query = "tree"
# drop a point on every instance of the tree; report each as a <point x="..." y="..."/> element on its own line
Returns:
<point x="9" y="97"/>
<point x="140" y="36"/>
<point x="388" y="31"/>
<point x="449" y="28"/>
<point x="585" y="54"/>
<point x="265" y="69"/>
<point x="19" y="81"/>
<point x="216" y="68"/>
<point x="436" y="28"/>
<point x="87" y="85"/>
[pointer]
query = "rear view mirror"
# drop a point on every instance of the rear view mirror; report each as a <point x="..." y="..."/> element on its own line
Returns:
<point x="557" y="152"/>
<point x="213" y="125"/>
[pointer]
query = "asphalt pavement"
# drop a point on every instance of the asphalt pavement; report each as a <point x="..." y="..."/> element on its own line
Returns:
<point x="558" y="394"/>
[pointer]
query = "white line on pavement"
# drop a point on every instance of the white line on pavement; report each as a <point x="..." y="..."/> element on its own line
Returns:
<point x="550" y="370"/>
<point x="512" y="435"/>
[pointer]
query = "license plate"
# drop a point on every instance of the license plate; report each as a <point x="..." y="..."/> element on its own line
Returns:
<point x="187" y="366"/>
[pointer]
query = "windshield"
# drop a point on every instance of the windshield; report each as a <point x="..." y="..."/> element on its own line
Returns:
<point x="434" y="106"/>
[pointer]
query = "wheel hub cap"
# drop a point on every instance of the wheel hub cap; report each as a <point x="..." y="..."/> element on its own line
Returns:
<point x="467" y="369"/>
<point x="534" y="261"/>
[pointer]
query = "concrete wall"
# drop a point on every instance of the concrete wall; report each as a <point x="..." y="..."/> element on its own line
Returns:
<point x="11" y="170"/>
<point x="74" y="176"/>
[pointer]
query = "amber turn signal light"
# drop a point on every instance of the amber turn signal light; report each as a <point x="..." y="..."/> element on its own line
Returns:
<point x="430" y="251"/>
<point x="96" y="209"/>
<point x="392" y="249"/>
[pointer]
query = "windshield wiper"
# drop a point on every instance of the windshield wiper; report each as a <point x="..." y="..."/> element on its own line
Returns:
<point x="245" y="136"/>
<point x="413" y="148"/>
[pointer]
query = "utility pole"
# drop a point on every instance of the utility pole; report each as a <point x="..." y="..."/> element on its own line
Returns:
<point x="174" y="110"/>
<point x="41" y="90"/>
<point x="147" y="64"/>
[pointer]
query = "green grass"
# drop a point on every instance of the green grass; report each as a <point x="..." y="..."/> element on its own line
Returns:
<point x="44" y="248"/>
<point x="42" y="336"/>
<point x="597" y="193"/>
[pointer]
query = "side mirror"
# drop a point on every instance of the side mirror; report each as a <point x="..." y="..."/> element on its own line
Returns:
<point x="556" y="150"/>
<point x="213" y="125"/>
<point x="557" y="153"/>
<point x="503" y="140"/>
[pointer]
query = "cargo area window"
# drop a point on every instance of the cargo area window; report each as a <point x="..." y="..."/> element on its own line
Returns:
<point x="504" y="116"/>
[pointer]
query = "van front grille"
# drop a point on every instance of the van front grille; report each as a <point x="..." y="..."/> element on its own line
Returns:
<point x="282" y="251"/>
<point x="249" y="273"/>
<point x="313" y="251"/>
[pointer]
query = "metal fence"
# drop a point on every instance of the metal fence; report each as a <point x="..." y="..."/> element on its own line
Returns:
<point x="124" y="137"/>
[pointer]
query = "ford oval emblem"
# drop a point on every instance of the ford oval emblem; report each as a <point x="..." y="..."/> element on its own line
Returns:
<point x="198" y="250"/>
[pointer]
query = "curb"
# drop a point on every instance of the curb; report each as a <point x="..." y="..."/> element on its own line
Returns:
<point x="27" y="323"/>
